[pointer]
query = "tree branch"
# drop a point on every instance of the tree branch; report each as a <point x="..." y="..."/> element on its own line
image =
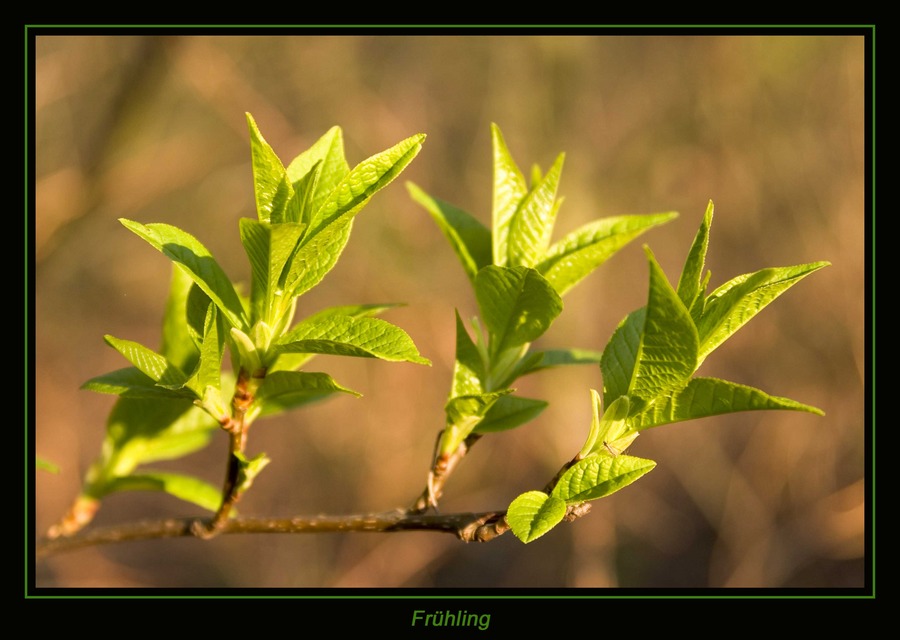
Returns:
<point x="468" y="527"/>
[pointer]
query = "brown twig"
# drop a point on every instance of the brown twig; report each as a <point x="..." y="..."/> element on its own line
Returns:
<point x="236" y="426"/>
<point x="439" y="474"/>
<point x="468" y="527"/>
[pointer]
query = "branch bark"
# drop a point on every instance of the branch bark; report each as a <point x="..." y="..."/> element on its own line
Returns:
<point x="468" y="527"/>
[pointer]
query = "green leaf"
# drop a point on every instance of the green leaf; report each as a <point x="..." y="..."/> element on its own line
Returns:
<point x="196" y="307"/>
<point x="470" y="239"/>
<point x="327" y="160"/>
<point x="508" y="191"/>
<point x="703" y="397"/>
<point x="732" y="305"/>
<point x="532" y="224"/>
<point x="290" y="361"/>
<point x="620" y="355"/>
<point x="463" y="415"/>
<point x="468" y="370"/>
<point x="315" y="257"/>
<point x="269" y="248"/>
<point x="178" y="345"/>
<point x="509" y="412"/>
<point x="691" y="285"/>
<point x="154" y="365"/>
<point x="187" y="252"/>
<point x="186" y="488"/>
<point x="275" y="199"/>
<point x="130" y="382"/>
<point x="352" y="310"/>
<point x="139" y="431"/>
<point x="363" y="181"/>
<point x="143" y="431"/>
<point x="667" y="355"/>
<point x="533" y="514"/>
<point x="611" y="432"/>
<point x="212" y="350"/>
<point x="549" y="358"/>
<point x="598" y="476"/>
<point x="517" y="305"/>
<point x="351" y="336"/>
<point x="577" y="254"/>
<point x="283" y="390"/>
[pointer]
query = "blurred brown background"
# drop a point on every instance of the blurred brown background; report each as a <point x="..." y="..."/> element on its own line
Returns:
<point x="771" y="128"/>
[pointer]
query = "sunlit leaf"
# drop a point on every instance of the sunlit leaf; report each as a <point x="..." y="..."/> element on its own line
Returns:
<point x="282" y="390"/>
<point x="577" y="254"/>
<point x="517" y="305"/>
<point x="702" y="397"/>
<point x="187" y="488"/>
<point x="735" y="303"/>
<point x="189" y="254"/>
<point x="533" y="514"/>
<point x="351" y="336"/>
<point x="531" y="226"/>
<point x="598" y="476"/>
<point x="509" y="190"/>
<point x="275" y="198"/>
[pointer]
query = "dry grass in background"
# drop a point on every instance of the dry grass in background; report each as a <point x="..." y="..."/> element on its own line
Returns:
<point x="771" y="128"/>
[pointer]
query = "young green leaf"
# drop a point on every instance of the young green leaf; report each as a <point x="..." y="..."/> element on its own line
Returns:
<point x="509" y="190"/>
<point x="468" y="369"/>
<point x="178" y="344"/>
<point x="318" y="170"/>
<point x="471" y="240"/>
<point x="269" y="248"/>
<point x="187" y="252"/>
<point x="668" y="350"/>
<point x="732" y="305"/>
<point x="463" y="415"/>
<point x="610" y="433"/>
<point x="509" y="412"/>
<point x="576" y="255"/>
<point x="131" y="382"/>
<point x="292" y="361"/>
<point x="275" y="198"/>
<point x="187" y="488"/>
<point x="212" y="350"/>
<point x="152" y="364"/>
<point x="691" y="284"/>
<point x="139" y="431"/>
<point x="549" y="358"/>
<point x="703" y="397"/>
<point x="597" y="476"/>
<point x="532" y="224"/>
<point x="351" y="336"/>
<point x="517" y="305"/>
<point x="283" y="390"/>
<point x="533" y="514"/>
<point x="363" y="181"/>
<point x="654" y="348"/>
<point x="314" y="258"/>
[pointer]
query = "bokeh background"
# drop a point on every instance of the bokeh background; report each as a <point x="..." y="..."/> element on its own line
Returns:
<point x="771" y="128"/>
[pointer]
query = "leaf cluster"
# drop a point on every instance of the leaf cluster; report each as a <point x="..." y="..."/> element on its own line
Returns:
<point x="228" y="358"/>
<point x="648" y="371"/>
<point x="172" y="400"/>
<point x="519" y="276"/>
